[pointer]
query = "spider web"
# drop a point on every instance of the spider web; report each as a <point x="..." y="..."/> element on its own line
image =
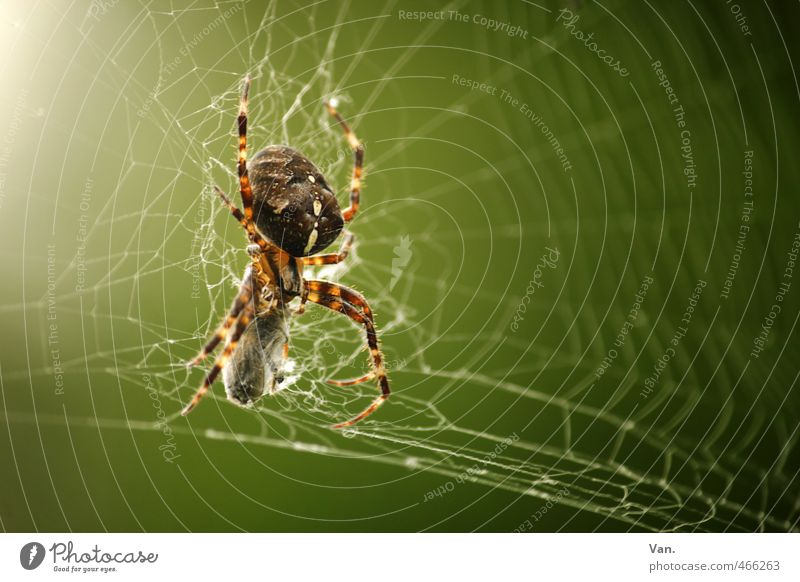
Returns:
<point x="176" y="243"/>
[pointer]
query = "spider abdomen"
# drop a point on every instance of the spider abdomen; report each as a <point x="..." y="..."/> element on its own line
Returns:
<point x="292" y="203"/>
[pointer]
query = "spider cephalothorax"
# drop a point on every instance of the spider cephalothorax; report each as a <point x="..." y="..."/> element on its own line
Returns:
<point x="289" y="213"/>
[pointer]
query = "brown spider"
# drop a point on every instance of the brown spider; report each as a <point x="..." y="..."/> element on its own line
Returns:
<point x="289" y="213"/>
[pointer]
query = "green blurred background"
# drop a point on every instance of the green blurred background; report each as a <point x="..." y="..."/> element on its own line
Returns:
<point x="496" y="135"/>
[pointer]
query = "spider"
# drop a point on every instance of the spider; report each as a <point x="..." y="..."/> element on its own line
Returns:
<point x="289" y="214"/>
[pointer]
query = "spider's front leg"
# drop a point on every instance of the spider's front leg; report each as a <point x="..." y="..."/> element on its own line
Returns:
<point x="352" y="304"/>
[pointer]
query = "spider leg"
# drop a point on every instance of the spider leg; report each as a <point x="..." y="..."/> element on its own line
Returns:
<point x="352" y="381"/>
<point x="355" y="299"/>
<point x="244" y="178"/>
<point x="272" y="254"/>
<point x="241" y="324"/>
<point x="347" y="301"/>
<point x="358" y="154"/>
<point x="239" y="303"/>
<point x="332" y="258"/>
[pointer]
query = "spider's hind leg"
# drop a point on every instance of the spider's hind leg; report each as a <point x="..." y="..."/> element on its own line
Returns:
<point x="352" y="304"/>
<point x="239" y="303"/>
<point x="352" y="381"/>
<point x="241" y="324"/>
<point x="240" y="314"/>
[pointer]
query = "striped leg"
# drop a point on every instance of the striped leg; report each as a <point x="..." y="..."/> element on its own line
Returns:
<point x="272" y="253"/>
<point x="352" y="381"/>
<point x="353" y="297"/>
<point x="350" y="295"/>
<point x="240" y="314"/>
<point x="241" y="324"/>
<point x="239" y="303"/>
<point x="244" y="178"/>
<point x="358" y="153"/>
<point x="332" y="258"/>
<point x="347" y="301"/>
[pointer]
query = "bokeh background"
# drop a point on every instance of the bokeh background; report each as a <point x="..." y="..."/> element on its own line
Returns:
<point x="579" y="233"/>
